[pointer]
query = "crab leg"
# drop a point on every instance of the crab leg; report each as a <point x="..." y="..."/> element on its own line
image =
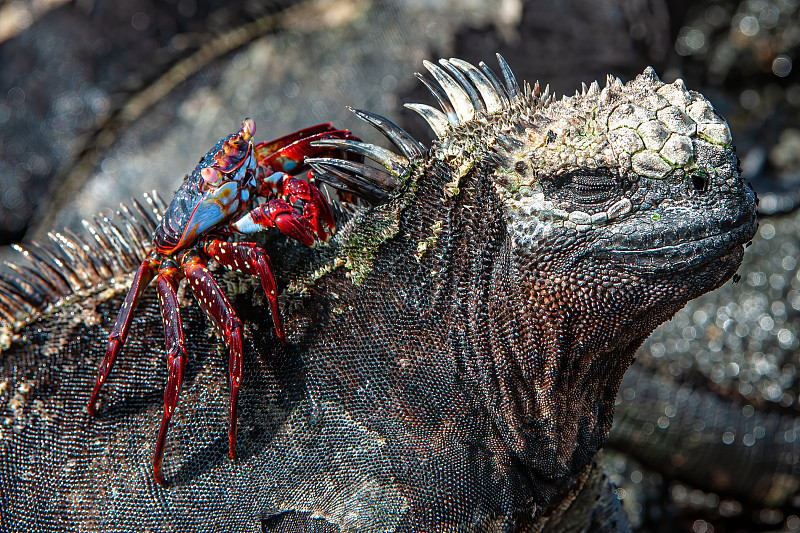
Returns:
<point x="219" y="310"/>
<point x="144" y="275"/>
<point x="167" y="285"/>
<point x="248" y="258"/>
<point x="268" y="148"/>
<point x="290" y="157"/>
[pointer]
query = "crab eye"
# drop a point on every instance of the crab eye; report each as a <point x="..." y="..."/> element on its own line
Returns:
<point x="210" y="175"/>
<point x="248" y="129"/>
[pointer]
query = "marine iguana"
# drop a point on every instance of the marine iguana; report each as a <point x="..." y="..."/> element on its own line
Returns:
<point x="453" y="355"/>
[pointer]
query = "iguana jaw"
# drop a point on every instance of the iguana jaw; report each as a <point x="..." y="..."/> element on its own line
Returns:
<point x="675" y="240"/>
<point x="683" y="257"/>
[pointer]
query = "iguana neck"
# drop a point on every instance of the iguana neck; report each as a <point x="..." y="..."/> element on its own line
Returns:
<point x="543" y="360"/>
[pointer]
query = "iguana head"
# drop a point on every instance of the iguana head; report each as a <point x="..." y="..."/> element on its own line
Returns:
<point x="584" y="222"/>
<point x="646" y="170"/>
<point x="643" y="175"/>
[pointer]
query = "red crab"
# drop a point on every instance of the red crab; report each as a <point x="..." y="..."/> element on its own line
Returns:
<point x="218" y="200"/>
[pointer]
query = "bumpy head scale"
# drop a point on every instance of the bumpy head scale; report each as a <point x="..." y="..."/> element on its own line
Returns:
<point x="643" y="128"/>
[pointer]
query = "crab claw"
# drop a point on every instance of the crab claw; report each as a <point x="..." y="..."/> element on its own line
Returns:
<point x="315" y="208"/>
<point x="277" y="214"/>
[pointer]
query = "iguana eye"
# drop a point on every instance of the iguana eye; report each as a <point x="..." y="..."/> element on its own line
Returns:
<point x="586" y="188"/>
<point x="521" y="167"/>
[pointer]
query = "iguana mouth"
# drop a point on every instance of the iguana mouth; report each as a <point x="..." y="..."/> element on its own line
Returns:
<point x="688" y="254"/>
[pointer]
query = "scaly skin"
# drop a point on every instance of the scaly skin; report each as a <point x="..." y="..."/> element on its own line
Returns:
<point x="454" y="356"/>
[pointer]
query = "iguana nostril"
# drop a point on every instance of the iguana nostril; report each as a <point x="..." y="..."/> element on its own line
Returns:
<point x="699" y="182"/>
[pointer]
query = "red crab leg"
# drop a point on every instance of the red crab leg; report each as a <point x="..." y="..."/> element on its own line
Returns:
<point x="267" y="148"/>
<point x="250" y="259"/>
<point x="144" y="275"/>
<point x="290" y="157"/>
<point x="219" y="310"/>
<point x="167" y="285"/>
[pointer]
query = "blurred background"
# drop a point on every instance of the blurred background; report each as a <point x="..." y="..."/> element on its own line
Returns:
<point x="102" y="100"/>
